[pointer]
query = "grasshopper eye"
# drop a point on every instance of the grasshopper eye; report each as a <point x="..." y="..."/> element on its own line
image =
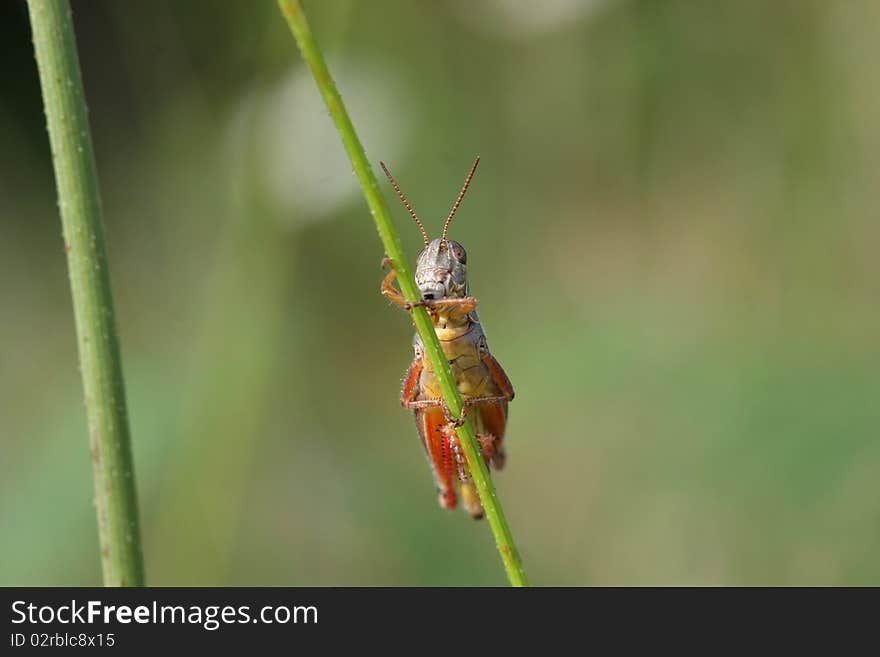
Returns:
<point x="459" y="254"/>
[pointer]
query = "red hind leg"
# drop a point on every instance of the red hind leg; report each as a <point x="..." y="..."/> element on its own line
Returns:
<point x="432" y="427"/>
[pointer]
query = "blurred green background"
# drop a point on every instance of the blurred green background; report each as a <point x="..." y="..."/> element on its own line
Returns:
<point x="673" y="235"/>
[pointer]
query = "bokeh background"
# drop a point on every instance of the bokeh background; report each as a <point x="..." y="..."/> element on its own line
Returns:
<point x="673" y="235"/>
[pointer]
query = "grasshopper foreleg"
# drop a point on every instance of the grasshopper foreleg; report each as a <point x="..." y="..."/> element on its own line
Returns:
<point x="388" y="290"/>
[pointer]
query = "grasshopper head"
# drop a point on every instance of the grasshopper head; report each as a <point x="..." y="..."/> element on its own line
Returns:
<point x="441" y="270"/>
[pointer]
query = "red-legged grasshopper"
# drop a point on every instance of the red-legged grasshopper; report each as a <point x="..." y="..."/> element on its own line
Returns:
<point x="441" y="275"/>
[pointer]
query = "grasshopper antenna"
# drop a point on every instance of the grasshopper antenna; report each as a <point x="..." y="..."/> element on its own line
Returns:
<point x="406" y="203"/>
<point x="467" y="182"/>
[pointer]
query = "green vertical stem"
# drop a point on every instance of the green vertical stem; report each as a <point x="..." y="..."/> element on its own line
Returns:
<point x="80" y="204"/>
<point x="296" y="19"/>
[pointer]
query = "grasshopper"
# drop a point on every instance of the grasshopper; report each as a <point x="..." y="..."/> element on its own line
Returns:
<point x="441" y="276"/>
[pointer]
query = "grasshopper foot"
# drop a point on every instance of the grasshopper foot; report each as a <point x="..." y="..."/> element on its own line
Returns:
<point x="455" y="422"/>
<point x="492" y="450"/>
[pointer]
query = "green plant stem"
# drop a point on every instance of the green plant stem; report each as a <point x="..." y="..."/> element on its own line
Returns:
<point x="296" y="19"/>
<point x="80" y="204"/>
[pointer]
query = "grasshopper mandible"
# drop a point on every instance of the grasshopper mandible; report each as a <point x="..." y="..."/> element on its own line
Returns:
<point x="441" y="275"/>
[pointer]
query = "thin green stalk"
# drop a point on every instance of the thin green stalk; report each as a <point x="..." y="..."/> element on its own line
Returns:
<point x="80" y="205"/>
<point x="296" y="19"/>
